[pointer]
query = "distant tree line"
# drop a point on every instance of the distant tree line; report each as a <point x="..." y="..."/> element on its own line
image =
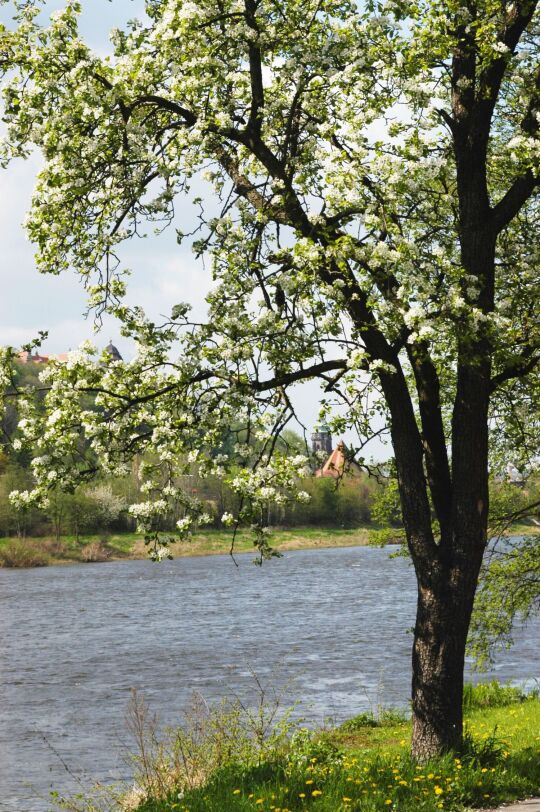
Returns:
<point x="103" y="506"/>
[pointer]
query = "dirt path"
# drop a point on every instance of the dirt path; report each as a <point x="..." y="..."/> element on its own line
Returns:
<point x="531" y="805"/>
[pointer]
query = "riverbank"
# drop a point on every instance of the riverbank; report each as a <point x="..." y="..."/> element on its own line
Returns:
<point x="130" y="546"/>
<point x="363" y="765"/>
<point x="364" y="768"/>
<point x="46" y="551"/>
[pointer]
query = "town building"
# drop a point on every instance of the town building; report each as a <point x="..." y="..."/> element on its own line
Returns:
<point x="337" y="465"/>
<point x="321" y="439"/>
<point x="26" y="357"/>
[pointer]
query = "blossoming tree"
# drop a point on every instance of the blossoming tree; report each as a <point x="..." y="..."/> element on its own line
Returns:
<point x="376" y="170"/>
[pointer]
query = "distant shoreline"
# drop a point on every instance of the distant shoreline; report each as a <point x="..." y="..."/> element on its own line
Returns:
<point x="36" y="552"/>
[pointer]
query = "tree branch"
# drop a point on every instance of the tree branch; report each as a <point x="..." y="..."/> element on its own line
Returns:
<point x="165" y="104"/>
<point x="299" y="375"/>
<point x="524" y="185"/>
<point x="521" y="367"/>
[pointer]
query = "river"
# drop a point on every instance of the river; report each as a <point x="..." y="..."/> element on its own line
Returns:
<point x="75" y="640"/>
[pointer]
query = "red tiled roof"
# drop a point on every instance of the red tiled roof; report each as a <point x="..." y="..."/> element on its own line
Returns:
<point x="337" y="464"/>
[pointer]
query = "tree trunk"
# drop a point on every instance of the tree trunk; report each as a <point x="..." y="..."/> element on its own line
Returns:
<point x="443" y="616"/>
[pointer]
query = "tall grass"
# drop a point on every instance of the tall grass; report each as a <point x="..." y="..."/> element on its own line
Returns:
<point x="491" y="695"/>
<point x="21" y="553"/>
<point x="230" y="758"/>
<point x="371" y="783"/>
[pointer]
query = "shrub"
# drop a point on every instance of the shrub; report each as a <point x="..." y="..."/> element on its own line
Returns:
<point x="387" y="535"/>
<point x="383" y="717"/>
<point x="491" y="695"/>
<point x="20" y="553"/>
<point x="54" y="547"/>
<point x="95" y="552"/>
<point x="209" y="740"/>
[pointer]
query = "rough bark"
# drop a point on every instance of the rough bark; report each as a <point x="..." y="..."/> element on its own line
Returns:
<point x="444" y="607"/>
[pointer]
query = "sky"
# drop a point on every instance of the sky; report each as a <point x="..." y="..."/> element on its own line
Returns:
<point x="162" y="272"/>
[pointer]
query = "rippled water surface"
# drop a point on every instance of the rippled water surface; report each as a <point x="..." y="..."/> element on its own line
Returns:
<point x="75" y="640"/>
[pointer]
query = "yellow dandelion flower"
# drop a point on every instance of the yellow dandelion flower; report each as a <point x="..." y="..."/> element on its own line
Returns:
<point x="301" y="794"/>
<point x="438" y="790"/>
<point x="316" y="792"/>
<point x="236" y="792"/>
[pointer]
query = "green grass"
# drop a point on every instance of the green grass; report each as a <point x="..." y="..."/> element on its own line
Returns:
<point x="205" y="542"/>
<point x="31" y="552"/>
<point x="492" y="695"/>
<point x="210" y="542"/>
<point x="365" y="768"/>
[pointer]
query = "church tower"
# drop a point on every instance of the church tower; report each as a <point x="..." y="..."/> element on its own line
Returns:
<point x="321" y="439"/>
<point x="113" y="352"/>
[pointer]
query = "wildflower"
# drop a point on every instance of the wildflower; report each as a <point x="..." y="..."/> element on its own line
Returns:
<point x="438" y="790"/>
<point x="316" y="792"/>
<point x="236" y="792"/>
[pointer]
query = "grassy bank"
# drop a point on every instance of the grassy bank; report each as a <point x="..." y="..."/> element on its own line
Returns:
<point x="35" y="552"/>
<point x="364" y="766"/>
<point x="32" y="552"/>
<point x="228" y="758"/>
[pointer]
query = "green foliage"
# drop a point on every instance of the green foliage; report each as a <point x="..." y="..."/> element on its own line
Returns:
<point x="346" y="503"/>
<point x="383" y="717"/>
<point x="316" y="775"/>
<point x="386" y="535"/>
<point x="491" y="695"/>
<point x="22" y="553"/>
<point x="209" y="740"/>
<point x="506" y="499"/>
<point x="386" y="508"/>
<point x="508" y="594"/>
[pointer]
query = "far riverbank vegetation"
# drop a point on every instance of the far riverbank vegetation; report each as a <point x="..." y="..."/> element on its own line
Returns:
<point x="94" y="524"/>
